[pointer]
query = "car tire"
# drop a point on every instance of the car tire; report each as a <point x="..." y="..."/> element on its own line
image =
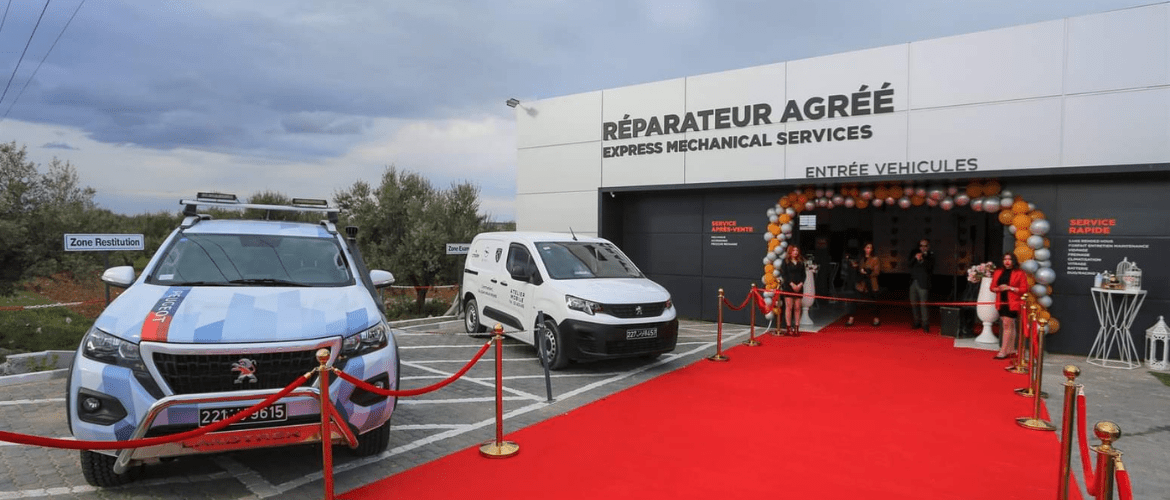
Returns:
<point x="98" y="470"/>
<point x="553" y="345"/>
<point x="373" y="442"/>
<point x="471" y="321"/>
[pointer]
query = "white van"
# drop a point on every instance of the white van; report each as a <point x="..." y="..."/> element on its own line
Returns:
<point x="596" y="303"/>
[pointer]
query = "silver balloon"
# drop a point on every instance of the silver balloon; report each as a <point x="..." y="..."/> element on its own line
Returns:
<point x="952" y="190"/>
<point x="947" y="203"/>
<point x="1045" y="263"/>
<point x="961" y="199"/>
<point x="935" y="193"/>
<point x="830" y="204"/>
<point x="1045" y="275"/>
<point x="773" y="219"/>
<point x="820" y="193"/>
<point x="866" y="194"/>
<point x="920" y="192"/>
<point x="1039" y="290"/>
<point x="1012" y="229"/>
<point x="1006" y="199"/>
<point x="771" y="212"/>
<point x="768" y="236"/>
<point x="810" y="205"/>
<point x="1042" y="254"/>
<point x="904" y="202"/>
<point x="1045" y="301"/>
<point x="783" y="246"/>
<point x="1036" y="242"/>
<point x="849" y="203"/>
<point x="776" y="263"/>
<point x="1006" y="194"/>
<point x="776" y="270"/>
<point x="877" y="202"/>
<point x="838" y="199"/>
<point x="1030" y="266"/>
<point x="770" y="257"/>
<point x="786" y="228"/>
<point x="769" y="315"/>
<point x="791" y="212"/>
<point x="1040" y="227"/>
<point x="931" y="202"/>
<point x="829" y="193"/>
<point x="890" y="200"/>
<point x="977" y="204"/>
<point x="990" y="204"/>
<point x="1031" y="207"/>
<point x="822" y="202"/>
<point x="908" y="191"/>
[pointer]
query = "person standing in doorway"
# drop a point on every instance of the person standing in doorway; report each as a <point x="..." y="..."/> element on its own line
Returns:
<point x="868" y="269"/>
<point x="792" y="274"/>
<point x="1009" y="283"/>
<point x="921" y="274"/>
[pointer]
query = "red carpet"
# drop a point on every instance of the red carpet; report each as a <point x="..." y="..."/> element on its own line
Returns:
<point x="844" y="413"/>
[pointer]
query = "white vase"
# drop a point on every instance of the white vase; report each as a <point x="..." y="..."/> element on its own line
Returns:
<point x="810" y="290"/>
<point x="986" y="312"/>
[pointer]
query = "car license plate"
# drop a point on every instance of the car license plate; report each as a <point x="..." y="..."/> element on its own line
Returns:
<point x="272" y="413"/>
<point x="641" y="333"/>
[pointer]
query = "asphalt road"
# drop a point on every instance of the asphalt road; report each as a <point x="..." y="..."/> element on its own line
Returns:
<point x="424" y="427"/>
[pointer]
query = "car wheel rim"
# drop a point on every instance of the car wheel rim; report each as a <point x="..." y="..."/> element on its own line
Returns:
<point x="472" y="320"/>
<point x="550" y="345"/>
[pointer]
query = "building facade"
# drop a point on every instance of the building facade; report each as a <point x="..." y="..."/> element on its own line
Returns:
<point x="1049" y="140"/>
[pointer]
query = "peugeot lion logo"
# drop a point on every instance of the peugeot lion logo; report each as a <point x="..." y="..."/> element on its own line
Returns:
<point x="247" y="369"/>
<point x="638" y="310"/>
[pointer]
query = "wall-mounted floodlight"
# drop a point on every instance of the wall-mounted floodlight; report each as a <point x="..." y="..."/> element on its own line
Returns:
<point x="513" y="102"/>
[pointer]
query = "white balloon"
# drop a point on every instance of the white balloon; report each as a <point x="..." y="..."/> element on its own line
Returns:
<point x="977" y="204"/>
<point x="1031" y="207"/>
<point x="1045" y="301"/>
<point x="838" y="199"/>
<point x="877" y="202"/>
<point x="777" y="263"/>
<point x="962" y="200"/>
<point x="810" y="205"/>
<point x="1030" y="266"/>
<point x="931" y="202"/>
<point x="773" y="219"/>
<point x="1039" y="290"/>
<point x="822" y="201"/>
<point x="786" y="228"/>
<point x="820" y="193"/>
<point x="866" y="194"/>
<point x="783" y="247"/>
<point x="904" y="202"/>
<point x="1006" y="194"/>
<point x="768" y="261"/>
<point x="1006" y="202"/>
<point x="908" y="191"/>
<point x="1036" y="242"/>
<point x="1012" y="229"/>
<point x="1045" y="275"/>
<point x="952" y="190"/>
<point x="1042" y="254"/>
<point x="849" y="203"/>
<point x="990" y="204"/>
<point x="769" y="315"/>
<point x="771" y="212"/>
<point x="770" y="257"/>
<point x="947" y="203"/>
<point x="768" y="236"/>
<point x="935" y="193"/>
<point x="776" y="270"/>
<point x="920" y="191"/>
<point x="890" y="200"/>
<point x="1040" y="227"/>
<point x="1045" y="263"/>
<point x="791" y="212"/>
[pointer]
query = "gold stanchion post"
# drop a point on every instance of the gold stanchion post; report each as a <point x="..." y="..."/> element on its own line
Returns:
<point x="1071" y="373"/>
<point x="1107" y="455"/>
<point x="1035" y="422"/>
<point x="499" y="448"/>
<point x="751" y="341"/>
<point x="718" y="356"/>
<point x="1035" y="359"/>
<point x="1021" y="364"/>
<point x="326" y="427"/>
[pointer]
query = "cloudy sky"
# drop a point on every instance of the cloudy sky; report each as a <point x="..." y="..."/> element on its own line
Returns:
<point x="152" y="101"/>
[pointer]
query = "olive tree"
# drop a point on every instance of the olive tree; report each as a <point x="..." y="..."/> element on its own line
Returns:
<point x="405" y="223"/>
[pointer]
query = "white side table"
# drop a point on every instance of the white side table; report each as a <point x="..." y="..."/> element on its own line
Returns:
<point x="1116" y="310"/>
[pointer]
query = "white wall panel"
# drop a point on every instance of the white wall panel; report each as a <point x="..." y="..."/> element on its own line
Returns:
<point x="644" y="101"/>
<point x="569" y="167"/>
<point x="559" y="120"/>
<point x="846" y="73"/>
<point x="1019" y="134"/>
<point x="739" y="164"/>
<point x="1118" y="128"/>
<point x="1119" y="50"/>
<point x="761" y="84"/>
<point x="888" y="144"/>
<point x="664" y="168"/>
<point x="558" y="212"/>
<point x="1013" y="63"/>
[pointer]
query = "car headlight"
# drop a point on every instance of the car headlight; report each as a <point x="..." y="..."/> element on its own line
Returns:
<point x="366" y="341"/>
<point x="103" y="347"/>
<point x="669" y="303"/>
<point x="586" y="306"/>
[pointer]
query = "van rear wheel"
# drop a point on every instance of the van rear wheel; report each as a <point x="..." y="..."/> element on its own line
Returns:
<point x="550" y="341"/>
<point x="471" y="320"/>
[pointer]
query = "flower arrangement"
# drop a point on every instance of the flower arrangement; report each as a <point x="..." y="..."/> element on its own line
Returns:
<point x="976" y="273"/>
<point x="811" y="265"/>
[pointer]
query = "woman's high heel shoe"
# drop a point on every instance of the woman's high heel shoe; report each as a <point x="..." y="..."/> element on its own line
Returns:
<point x="849" y="322"/>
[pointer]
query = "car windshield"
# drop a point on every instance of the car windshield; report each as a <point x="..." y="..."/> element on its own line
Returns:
<point x="251" y="260"/>
<point x="577" y="260"/>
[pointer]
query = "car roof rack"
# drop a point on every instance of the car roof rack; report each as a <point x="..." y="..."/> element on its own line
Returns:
<point x="229" y="201"/>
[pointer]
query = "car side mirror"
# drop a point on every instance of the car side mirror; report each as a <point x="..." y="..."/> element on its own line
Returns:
<point x="381" y="279"/>
<point x="121" y="276"/>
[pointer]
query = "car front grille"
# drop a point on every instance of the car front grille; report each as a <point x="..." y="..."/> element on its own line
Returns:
<point x="202" y="373"/>
<point x="651" y="310"/>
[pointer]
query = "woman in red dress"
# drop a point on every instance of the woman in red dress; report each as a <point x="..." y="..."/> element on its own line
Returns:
<point x="1009" y="284"/>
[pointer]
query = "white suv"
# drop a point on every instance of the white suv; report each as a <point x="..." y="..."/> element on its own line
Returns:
<point x="227" y="313"/>
<point x="596" y="303"/>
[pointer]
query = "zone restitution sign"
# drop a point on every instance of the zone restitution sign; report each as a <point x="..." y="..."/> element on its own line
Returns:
<point x="103" y="242"/>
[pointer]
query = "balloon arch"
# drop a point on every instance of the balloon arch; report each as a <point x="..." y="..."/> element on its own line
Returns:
<point x="1024" y="221"/>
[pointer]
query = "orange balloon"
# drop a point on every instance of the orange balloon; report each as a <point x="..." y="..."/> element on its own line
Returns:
<point x="772" y="244"/>
<point x="784" y="218"/>
<point x="991" y="188"/>
<point x="768" y="268"/>
<point x="974" y="190"/>
<point x="774" y="228"/>
<point x="1005" y="217"/>
<point x="917" y="200"/>
<point x="1023" y="252"/>
<point x="1036" y="215"/>
<point x="1053" y="325"/>
<point x="784" y="202"/>
<point x="1020" y="207"/>
<point x="861" y="203"/>
<point x="1022" y="234"/>
<point x="1021" y="221"/>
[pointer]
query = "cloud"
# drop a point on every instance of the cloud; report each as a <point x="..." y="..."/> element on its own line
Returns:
<point x="57" y="145"/>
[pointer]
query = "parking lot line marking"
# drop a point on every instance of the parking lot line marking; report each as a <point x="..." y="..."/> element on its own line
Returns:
<point x="414" y="364"/>
<point x="459" y="400"/>
<point x="18" y="402"/>
<point x="447" y="346"/>
<point x="426" y="427"/>
<point x="484" y="360"/>
<point x="251" y="479"/>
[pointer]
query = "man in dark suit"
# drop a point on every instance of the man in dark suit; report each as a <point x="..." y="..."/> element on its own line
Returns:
<point x="921" y="273"/>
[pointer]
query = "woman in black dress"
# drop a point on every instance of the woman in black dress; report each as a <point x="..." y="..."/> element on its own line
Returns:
<point x="792" y="274"/>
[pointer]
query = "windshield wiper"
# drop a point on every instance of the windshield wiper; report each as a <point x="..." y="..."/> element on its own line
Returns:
<point x="265" y="281"/>
<point x="197" y="283"/>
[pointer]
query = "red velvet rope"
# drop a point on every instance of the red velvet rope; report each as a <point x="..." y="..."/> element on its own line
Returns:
<point x="762" y="303"/>
<point x="69" y="444"/>
<point x="1086" y="464"/>
<point x="414" y="392"/>
<point x="741" y="306"/>
<point x="879" y="302"/>
<point x="1123" y="485"/>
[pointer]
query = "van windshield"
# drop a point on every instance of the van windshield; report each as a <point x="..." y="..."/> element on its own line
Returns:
<point x="568" y="260"/>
